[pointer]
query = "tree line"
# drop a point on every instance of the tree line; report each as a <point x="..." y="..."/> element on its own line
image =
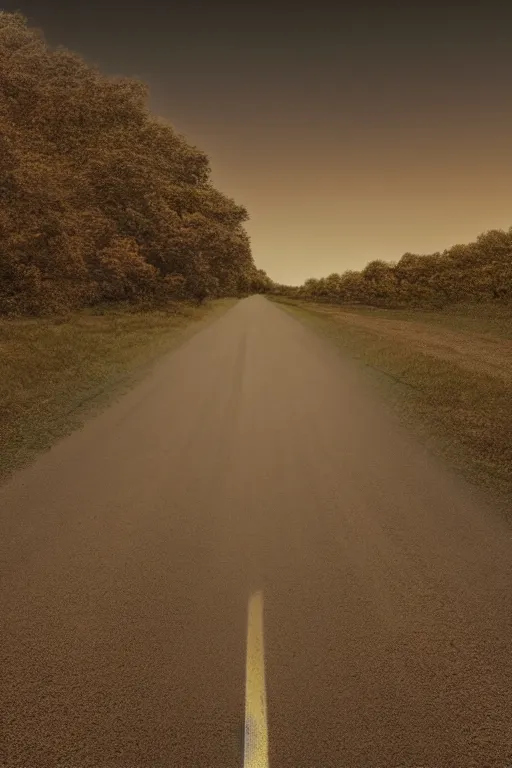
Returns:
<point x="100" y="201"/>
<point x="480" y="271"/>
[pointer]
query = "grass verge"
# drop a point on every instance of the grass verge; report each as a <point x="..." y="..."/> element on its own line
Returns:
<point x="448" y="375"/>
<point x="58" y="371"/>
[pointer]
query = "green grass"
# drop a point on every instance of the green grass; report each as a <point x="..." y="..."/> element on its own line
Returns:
<point x="58" y="371"/>
<point x="463" y="415"/>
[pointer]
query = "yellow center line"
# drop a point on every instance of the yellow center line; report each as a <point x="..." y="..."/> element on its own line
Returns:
<point x="256" y="732"/>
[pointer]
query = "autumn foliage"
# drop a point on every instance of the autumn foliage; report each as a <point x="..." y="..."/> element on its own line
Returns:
<point x="99" y="200"/>
<point x="477" y="272"/>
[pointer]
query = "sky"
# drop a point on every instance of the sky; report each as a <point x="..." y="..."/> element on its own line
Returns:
<point x="350" y="132"/>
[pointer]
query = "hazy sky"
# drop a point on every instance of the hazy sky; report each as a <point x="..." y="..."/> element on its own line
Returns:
<point x="349" y="133"/>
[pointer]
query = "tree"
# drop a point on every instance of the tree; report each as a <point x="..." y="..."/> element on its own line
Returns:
<point x="479" y="271"/>
<point x="99" y="198"/>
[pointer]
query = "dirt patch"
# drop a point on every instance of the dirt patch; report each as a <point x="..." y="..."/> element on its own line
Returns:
<point x="475" y="352"/>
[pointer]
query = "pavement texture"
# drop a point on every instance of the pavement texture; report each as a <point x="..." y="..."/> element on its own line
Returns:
<point x="254" y="457"/>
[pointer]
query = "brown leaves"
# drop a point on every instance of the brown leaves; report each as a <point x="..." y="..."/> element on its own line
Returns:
<point x="479" y="271"/>
<point x="103" y="200"/>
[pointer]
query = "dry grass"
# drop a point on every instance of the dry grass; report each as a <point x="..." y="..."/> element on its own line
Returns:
<point x="56" y="372"/>
<point x="448" y="374"/>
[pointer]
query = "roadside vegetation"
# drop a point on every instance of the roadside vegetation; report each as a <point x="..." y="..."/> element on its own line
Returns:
<point x="114" y="243"/>
<point x="435" y="331"/>
<point x="448" y="374"/>
<point x="57" y="371"/>
<point x="101" y="201"/>
<point x="476" y="273"/>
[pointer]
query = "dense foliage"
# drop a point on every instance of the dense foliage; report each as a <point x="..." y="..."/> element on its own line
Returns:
<point x="477" y="272"/>
<point x="100" y="200"/>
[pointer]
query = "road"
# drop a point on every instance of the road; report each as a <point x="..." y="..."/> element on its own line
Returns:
<point x="252" y="460"/>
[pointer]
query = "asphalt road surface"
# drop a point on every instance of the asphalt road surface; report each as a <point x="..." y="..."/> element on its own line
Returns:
<point x="253" y="459"/>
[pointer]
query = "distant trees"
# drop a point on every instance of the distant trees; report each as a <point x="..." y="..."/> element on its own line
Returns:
<point x="476" y="272"/>
<point x="261" y="282"/>
<point x="100" y="200"/>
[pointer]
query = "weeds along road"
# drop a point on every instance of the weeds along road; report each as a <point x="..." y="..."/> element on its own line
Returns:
<point x="252" y="471"/>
